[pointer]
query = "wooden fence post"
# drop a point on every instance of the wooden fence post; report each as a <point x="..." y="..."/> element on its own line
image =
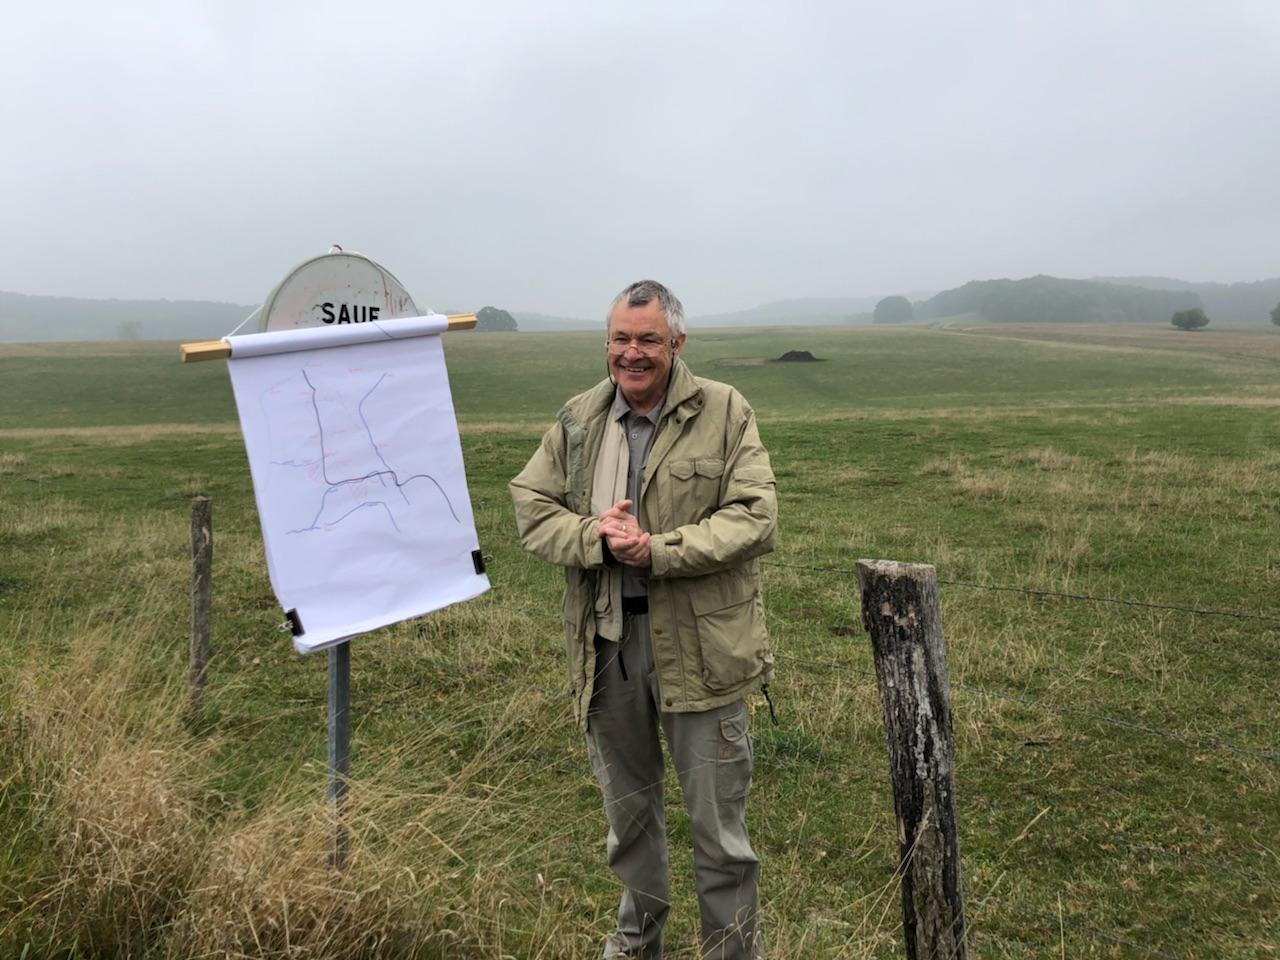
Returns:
<point x="900" y="610"/>
<point x="201" y="600"/>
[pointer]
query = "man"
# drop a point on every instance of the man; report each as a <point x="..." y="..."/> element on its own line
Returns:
<point x="654" y="493"/>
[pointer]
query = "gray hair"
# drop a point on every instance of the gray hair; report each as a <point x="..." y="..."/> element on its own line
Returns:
<point x="643" y="292"/>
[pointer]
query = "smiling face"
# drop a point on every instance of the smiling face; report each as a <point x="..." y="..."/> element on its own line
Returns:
<point x="641" y="366"/>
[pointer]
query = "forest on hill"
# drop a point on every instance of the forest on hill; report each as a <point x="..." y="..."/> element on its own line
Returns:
<point x="1225" y="303"/>
<point x="1054" y="300"/>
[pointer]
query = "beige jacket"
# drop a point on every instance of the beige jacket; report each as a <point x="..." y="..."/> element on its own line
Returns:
<point x="707" y="499"/>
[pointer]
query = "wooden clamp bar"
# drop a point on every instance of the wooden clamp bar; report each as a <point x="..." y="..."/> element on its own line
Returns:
<point x="220" y="349"/>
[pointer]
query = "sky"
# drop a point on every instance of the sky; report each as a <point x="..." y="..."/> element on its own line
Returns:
<point x="540" y="156"/>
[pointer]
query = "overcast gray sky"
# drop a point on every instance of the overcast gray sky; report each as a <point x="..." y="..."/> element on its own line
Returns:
<point x="539" y="156"/>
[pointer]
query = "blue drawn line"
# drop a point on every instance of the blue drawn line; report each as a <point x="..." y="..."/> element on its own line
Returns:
<point x="380" y="474"/>
<point x="369" y="503"/>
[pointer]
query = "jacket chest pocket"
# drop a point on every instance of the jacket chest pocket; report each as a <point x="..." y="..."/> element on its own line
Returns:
<point x="695" y="488"/>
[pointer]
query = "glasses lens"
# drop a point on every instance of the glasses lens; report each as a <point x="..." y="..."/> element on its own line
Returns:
<point x="643" y="345"/>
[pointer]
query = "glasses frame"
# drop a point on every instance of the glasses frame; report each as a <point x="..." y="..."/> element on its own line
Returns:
<point x="617" y="348"/>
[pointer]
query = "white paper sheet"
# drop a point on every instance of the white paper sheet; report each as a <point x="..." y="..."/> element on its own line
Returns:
<point x="357" y="470"/>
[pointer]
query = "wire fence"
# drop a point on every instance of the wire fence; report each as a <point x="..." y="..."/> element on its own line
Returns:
<point x="1211" y="742"/>
<point x="1042" y="594"/>
<point x="1060" y="922"/>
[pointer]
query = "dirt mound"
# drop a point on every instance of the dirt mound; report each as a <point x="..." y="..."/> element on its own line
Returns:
<point x="798" y="356"/>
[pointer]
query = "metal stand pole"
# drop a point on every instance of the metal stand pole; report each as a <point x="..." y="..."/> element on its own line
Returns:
<point x="339" y="745"/>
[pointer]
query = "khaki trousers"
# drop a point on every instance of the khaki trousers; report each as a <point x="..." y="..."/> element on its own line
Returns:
<point x="711" y="752"/>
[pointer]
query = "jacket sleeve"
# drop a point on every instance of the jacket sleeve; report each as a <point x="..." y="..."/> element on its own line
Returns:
<point x="744" y="524"/>
<point x="548" y="528"/>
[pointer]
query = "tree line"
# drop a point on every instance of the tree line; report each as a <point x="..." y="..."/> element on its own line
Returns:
<point x="1046" y="299"/>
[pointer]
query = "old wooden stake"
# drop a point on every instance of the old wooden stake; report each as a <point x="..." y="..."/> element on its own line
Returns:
<point x="201" y="600"/>
<point x="900" y="610"/>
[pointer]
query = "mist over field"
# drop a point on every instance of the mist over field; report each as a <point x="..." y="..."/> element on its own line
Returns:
<point x="540" y="158"/>
<point x="1148" y="300"/>
<point x="1028" y="255"/>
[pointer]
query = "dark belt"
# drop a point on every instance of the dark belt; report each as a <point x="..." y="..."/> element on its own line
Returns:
<point x="635" y="606"/>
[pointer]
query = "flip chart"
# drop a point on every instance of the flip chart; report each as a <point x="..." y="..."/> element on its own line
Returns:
<point x="358" y="475"/>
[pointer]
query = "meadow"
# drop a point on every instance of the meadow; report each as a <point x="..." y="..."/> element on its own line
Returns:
<point x="1118" y="766"/>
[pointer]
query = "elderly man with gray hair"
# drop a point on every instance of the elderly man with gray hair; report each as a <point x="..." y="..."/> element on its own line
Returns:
<point x="654" y="493"/>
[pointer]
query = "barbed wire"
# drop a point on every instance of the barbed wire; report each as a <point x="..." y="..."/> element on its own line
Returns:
<point x="1181" y="857"/>
<point x="1049" y="921"/>
<point x="1240" y="867"/>
<point x="1213" y="742"/>
<point x="1063" y="922"/>
<point x="1040" y="593"/>
<point x="1177" y="856"/>
<point x="1199" y="611"/>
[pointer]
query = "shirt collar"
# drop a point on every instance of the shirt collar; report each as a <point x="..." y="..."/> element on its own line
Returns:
<point x="621" y="408"/>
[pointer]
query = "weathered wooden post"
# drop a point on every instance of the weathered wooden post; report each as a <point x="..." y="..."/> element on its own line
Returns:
<point x="900" y="610"/>
<point x="201" y="601"/>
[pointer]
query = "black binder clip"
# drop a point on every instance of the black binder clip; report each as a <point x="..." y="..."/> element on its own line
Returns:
<point x="292" y="623"/>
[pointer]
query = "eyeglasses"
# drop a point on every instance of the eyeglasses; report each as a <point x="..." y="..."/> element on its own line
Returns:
<point x="649" y="346"/>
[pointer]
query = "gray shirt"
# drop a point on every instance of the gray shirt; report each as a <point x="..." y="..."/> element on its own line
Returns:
<point x="640" y="429"/>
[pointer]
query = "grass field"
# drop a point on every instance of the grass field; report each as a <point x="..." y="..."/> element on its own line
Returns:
<point x="1118" y="767"/>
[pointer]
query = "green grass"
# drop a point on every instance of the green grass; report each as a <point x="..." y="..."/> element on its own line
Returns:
<point x="1134" y="463"/>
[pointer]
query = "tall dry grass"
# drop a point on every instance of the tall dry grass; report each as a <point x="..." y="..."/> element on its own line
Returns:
<point x="111" y="782"/>
<point x="140" y="860"/>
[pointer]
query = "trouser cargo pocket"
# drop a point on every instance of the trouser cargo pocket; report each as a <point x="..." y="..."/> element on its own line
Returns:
<point x="733" y="765"/>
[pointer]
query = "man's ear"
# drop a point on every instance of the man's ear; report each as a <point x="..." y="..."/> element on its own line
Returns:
<point x="679" y="343"/>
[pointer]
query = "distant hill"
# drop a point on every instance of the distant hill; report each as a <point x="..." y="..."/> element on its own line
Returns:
<point x="542" y="322"/>
<point x="1224" y="302"/>
<point x="1043" y="298"/>
<point x="809" y="311"/>
<point x="1046" y="299"/>
<point x="24" y="317"/>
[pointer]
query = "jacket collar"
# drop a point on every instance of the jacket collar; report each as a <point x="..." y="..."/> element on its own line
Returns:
<point x="683" y="389"/>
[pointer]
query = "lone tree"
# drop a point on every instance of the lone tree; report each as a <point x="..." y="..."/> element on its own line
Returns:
<point x="1192" y="319"/>
<point x="491" y="318"/>
<point x="893" y="310"/>
<point x="1275" y="315"/>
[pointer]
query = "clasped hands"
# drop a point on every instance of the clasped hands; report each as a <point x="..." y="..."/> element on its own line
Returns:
<point x="622" y="533"/>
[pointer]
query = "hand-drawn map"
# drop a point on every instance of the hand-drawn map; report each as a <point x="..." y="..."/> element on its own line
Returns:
<point x="358" y="474"/>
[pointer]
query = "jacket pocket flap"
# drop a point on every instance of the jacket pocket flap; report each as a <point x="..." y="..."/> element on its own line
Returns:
<point x="707" y="602"/>
<point x="710" y="467"/>
<point x="682" y="469"/>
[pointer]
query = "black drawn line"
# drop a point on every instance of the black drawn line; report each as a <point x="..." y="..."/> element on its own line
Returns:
<point x="379" y="474"/>
<point x="373" y="443"/>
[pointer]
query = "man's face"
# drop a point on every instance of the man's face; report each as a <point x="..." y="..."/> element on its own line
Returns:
<point x="641" y="352"/>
